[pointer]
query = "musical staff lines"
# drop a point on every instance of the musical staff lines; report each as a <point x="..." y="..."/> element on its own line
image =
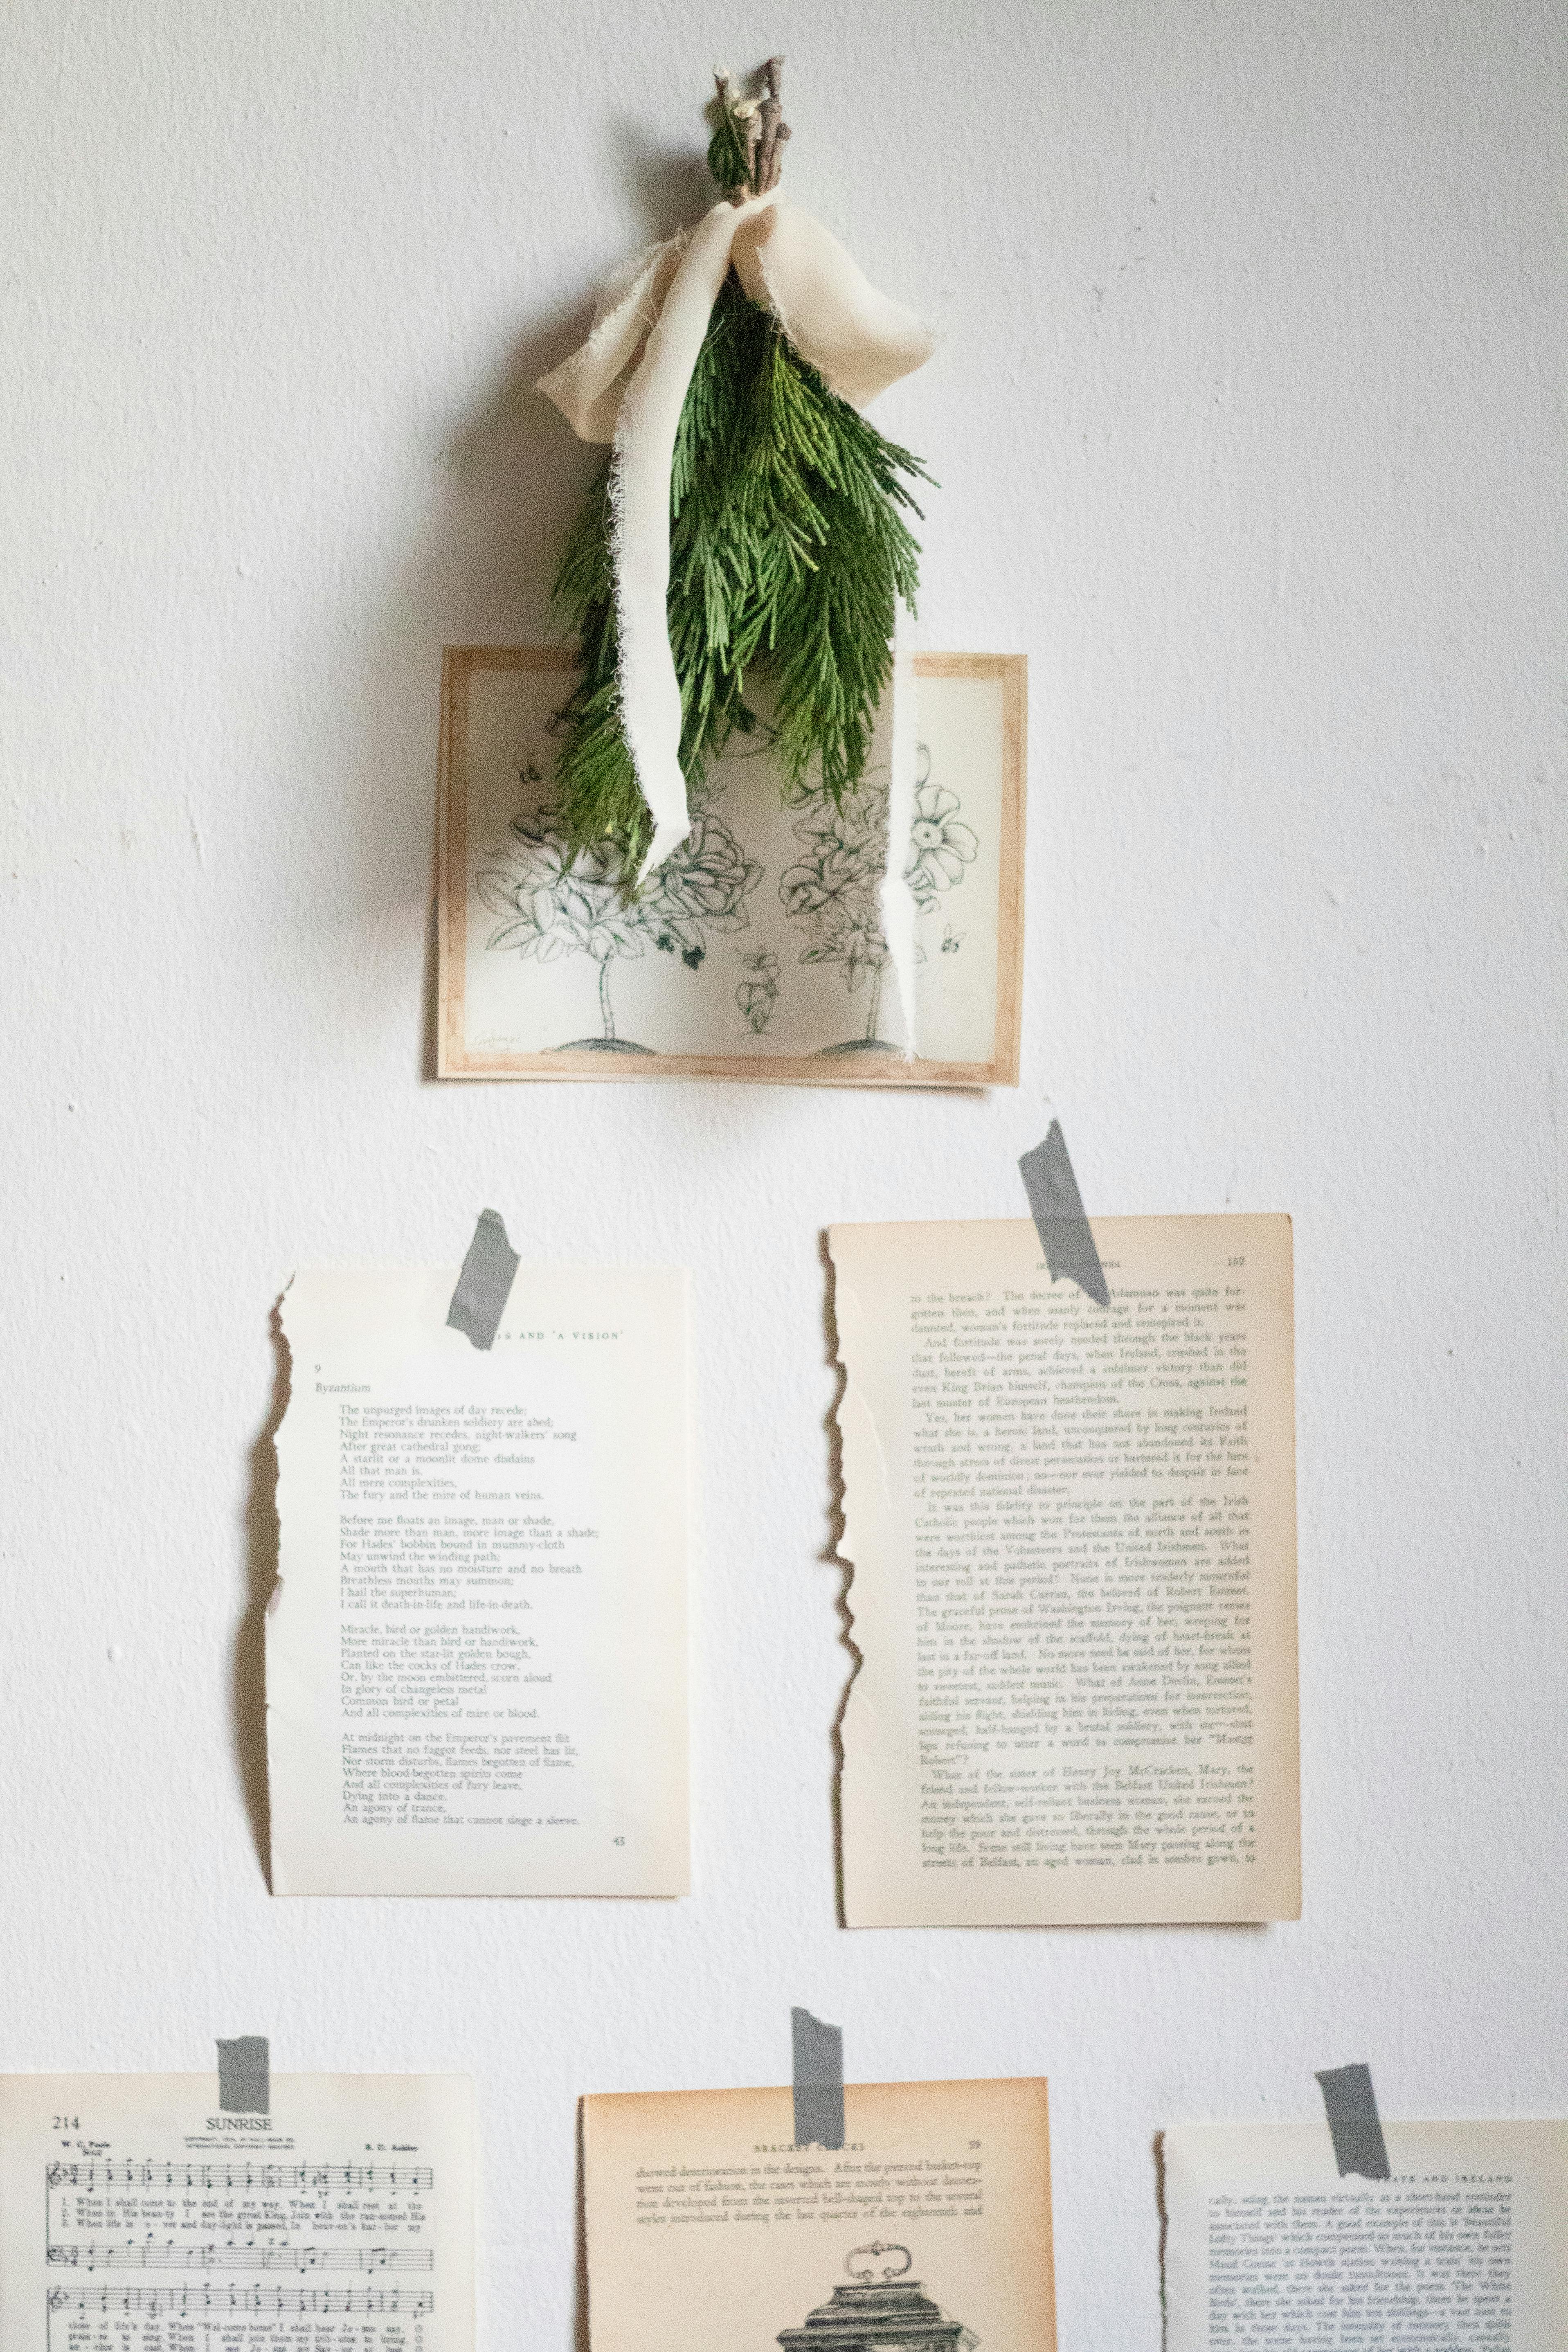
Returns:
<point x="138" y="2254"/>
<point x="250" y="2177"/>
<point x="274" y="2302"/>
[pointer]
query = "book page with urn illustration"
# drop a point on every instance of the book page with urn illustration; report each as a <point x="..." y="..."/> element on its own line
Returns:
<point x="708" y="2227"/>
<point x="137" y="2216"/>
<point x="1072" y="1535"/>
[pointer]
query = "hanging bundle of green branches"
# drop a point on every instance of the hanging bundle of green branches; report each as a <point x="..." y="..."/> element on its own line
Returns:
<point x="789" y="549"/>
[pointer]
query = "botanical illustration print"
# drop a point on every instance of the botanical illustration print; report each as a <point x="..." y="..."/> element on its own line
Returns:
<point x="837" y="886"/>
<point x="559" y="903"/>
<point x="554" y="903"/>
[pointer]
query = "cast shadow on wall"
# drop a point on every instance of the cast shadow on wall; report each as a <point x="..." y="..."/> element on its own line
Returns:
<point x="504" y="483"/>
<point x="513" y="476"/>
<point x="248" y="1678"/>
<point x="832" y="1555"/>
<point x="508" y="477"/>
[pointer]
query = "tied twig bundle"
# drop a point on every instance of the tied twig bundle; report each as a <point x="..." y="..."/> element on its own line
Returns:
<point x="782" y="545"/>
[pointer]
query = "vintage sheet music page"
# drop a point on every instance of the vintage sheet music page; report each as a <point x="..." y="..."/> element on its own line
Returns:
<point x="709" y="2229"/>
<point x="1073" y="1537"/>
<point x="476" y="1654"/>
<point x="1464" y="2249"/>
<point x="136" y="2216"/>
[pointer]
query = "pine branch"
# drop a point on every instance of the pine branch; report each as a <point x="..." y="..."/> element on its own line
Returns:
<point x="789" y="552"/>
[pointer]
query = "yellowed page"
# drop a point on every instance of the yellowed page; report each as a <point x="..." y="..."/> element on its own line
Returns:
<point x="1464" y="2249"/>
<point x="1073" y="1534"/>
<point x="765" y="948"/>
<point x="136" y="2216"/>
<point x="709" y="2229"/>
<point x="476" y="1656"/>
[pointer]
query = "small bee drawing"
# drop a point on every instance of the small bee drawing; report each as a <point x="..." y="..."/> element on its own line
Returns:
<point x="951" y="941"/>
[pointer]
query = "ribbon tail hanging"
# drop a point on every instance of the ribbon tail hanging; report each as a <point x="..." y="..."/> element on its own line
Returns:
<point x="627" y="384"/>
<point x="639" y="497"/>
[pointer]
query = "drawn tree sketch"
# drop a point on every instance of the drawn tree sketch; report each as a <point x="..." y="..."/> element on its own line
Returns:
<point x="836" y="886"/>
<point x="557" y="903"/>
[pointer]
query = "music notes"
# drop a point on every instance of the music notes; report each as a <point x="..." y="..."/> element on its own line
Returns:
<point x="154" y="2229"/>
<point x="247" y="2177"/>
<point x="274" y="2302"/>
<point x="171" y="2256"/>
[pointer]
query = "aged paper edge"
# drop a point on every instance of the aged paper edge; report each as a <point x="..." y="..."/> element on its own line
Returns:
<point x="857" y="1428"/>
<point x="602" y="2103"/>
<point x="459" y="664"/>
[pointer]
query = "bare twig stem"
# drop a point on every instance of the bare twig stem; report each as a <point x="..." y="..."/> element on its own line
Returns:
<point x="771" y="115"/>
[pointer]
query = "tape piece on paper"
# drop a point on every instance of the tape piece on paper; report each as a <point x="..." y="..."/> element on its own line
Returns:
<point x="485" y="1283"/>
<point x="244" y="2076"/>
<point x="1353" y="2125"/>
<point x="1057" y="1211"/>
<point x="818" y="2080"/>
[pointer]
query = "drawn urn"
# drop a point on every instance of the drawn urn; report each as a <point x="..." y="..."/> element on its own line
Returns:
<point x="890" y="2313"/>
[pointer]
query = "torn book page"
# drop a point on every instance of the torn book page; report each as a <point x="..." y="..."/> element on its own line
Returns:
<point x="1464" y="2248"/>
<point x="136" y="2216"/>
<point x="709" y="2229"/>
<point x="1072" y="1534"/>
<point x="476" y="1654"/>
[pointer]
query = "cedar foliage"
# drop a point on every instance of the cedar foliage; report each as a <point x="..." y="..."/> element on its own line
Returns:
<point x="789" y="549"/>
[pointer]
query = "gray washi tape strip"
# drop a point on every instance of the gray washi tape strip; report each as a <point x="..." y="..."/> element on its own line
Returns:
<point x="244" y="2076"/>
<point x="1057" y="1211"/>
<point x="485" y="1283"/>
<point x="1353" y="2126"/>
<point x="818" y="2080"/>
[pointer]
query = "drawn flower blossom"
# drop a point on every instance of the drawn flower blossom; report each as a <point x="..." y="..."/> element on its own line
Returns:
<point x="939" y="848"/>
<point x="836" y="888"/>
<point x="699" y="887"/>
<point x="556" y="902"/>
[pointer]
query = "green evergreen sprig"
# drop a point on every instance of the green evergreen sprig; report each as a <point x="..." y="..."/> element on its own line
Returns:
<point x="789" y="551"/>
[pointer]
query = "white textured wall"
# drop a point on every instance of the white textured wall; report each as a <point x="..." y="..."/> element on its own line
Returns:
<point x="1248" y="424"/>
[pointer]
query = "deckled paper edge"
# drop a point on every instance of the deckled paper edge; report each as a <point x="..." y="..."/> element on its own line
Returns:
<point x="896" y="900"/>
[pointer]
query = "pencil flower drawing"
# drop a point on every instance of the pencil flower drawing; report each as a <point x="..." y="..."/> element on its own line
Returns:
<point x="558" y="901"/>
<point x="834" y="887"/>
<point x="939" y="848"/>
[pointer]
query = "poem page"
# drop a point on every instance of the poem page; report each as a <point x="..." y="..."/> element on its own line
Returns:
<point x="475" y="1653"/>
<point x="1072" y="1531"/>
<point x="1464" y="2248"/>
<point x="709" y="2229"/>
<point x="135" y="2217"/>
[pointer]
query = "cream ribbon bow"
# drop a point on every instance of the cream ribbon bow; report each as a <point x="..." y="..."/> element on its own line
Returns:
<point x="627" y="386"/>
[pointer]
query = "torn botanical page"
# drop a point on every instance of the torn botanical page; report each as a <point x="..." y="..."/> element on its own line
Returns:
<point x="1072" y="1535"/>
<point x="137" y="2214"/>
<point x="1463" y="2249"/>
<point x="769" y="944"/>
<point x="708" y="2228"/>
<point x="476" y="1660"/>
